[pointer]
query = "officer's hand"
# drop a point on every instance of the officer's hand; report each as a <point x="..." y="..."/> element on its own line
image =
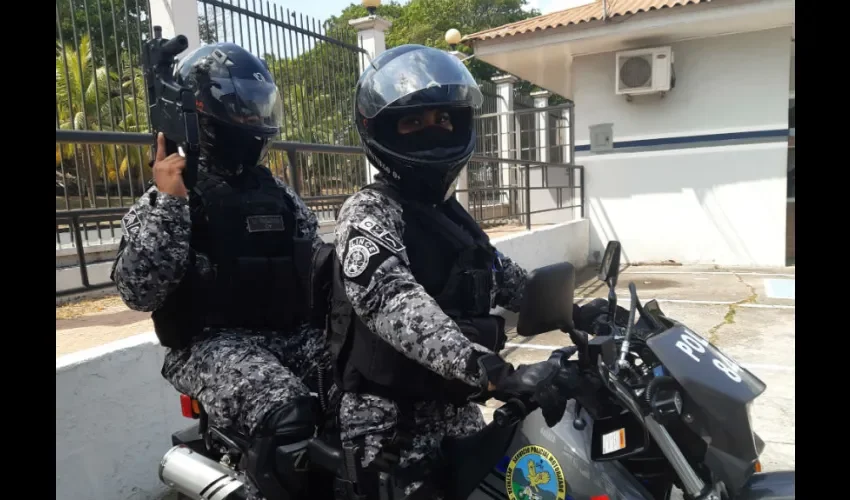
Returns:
<point x="541" y="383"/>
<point x="168" y="171"/>
<point x="593" y="317"/>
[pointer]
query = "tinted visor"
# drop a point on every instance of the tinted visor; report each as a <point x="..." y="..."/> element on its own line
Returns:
<point x="400" y="82"/>
<point x="252" y="103"/>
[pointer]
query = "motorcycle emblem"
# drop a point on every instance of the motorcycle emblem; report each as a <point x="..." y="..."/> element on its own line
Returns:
<point x="535" y="474"/>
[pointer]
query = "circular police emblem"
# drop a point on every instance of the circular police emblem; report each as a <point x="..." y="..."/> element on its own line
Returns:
<point x="360" y="250"/>
<point x="356" y="261"/>
<point x="535" y="474"/>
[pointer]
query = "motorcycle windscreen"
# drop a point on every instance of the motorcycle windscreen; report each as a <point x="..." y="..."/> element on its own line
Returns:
<point x="717" y="393"/>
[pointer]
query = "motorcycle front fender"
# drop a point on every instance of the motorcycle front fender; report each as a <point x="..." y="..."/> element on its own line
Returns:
<point x="777" y="485"/>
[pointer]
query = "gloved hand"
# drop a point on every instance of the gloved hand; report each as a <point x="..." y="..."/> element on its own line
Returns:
<point x="546" y="384"/>
<point x="593" y="317"/>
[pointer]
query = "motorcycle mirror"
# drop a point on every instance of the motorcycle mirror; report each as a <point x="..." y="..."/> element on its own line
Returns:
<point x="547" y="302"/>
<point x="609" y="270"/>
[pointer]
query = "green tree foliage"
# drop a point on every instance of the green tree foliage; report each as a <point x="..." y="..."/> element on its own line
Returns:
<point x="426" y="21"/>
<point x="115" y="26"/>
<point x="91" y="97"/>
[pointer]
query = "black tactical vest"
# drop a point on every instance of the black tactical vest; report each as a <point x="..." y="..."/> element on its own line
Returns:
<point x="451" y="257"/>
<point x="246" y="226"/>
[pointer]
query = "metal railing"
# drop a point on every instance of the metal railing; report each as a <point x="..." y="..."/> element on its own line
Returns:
<point x="79" y="225"/>
<point x="100" y="88"/>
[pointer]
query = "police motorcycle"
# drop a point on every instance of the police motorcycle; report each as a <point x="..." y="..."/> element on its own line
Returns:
<point x="659" y="406"/>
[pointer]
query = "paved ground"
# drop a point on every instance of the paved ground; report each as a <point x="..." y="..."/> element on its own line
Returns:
<point x="742" y="311"/>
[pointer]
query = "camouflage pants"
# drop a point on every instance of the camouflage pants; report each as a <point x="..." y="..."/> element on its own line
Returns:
<point x="240" y="377"/>
<point x="369" y="420"/>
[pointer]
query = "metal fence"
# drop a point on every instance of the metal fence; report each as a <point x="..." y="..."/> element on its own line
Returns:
<point x="91" y="224"/>
<point x="523" y="133"/>
<point x="103" y="134"/>
<point x="100" y="88"/>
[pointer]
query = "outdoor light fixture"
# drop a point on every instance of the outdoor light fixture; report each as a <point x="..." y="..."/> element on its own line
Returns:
<point x="371" y="5"/>
<point x="453" y="38"/>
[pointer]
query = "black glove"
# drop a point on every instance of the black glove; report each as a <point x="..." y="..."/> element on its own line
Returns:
<point x="493" y="367"/>
<point x="545" y="384"/>
<point x="593" y="317"/>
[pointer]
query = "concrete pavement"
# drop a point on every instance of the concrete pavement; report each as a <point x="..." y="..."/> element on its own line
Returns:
<point x="748" y="313"/>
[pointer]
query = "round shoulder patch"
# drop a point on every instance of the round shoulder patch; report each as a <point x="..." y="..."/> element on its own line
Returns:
<point x="360" y="250"/>
<point x="535" y="474"/>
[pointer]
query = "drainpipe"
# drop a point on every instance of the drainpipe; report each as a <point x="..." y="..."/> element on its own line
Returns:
<point x="604" y="10"/>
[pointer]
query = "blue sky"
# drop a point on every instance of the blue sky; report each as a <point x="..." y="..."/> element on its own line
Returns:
<point x="322" y="9"/>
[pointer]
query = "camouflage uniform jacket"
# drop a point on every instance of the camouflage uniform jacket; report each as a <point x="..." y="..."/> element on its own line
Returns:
<point x="395" y="307"/>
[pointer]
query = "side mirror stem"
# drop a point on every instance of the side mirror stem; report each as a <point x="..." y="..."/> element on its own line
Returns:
<point x="612" y="306"/>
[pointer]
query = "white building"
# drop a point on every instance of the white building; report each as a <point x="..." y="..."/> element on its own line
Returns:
<point x="696" y="174"/>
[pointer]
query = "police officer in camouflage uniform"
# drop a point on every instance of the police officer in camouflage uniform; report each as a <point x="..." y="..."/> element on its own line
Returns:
<point x="411" y="329"/>
<point x="222" y="267"/>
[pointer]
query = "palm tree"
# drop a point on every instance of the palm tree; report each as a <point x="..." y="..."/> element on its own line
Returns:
<point x="93" y="98"/>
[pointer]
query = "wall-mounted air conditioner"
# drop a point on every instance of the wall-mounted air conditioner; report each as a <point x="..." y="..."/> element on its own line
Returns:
<point x="644" y="71"/>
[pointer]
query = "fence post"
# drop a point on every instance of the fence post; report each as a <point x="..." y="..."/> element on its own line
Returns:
<point x="371" y="36"/>
<point x="505" y="136"/>
<point x="462" y="195"/>
<point x="177" y="17"/>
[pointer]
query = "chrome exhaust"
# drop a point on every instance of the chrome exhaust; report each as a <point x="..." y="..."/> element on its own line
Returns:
<point x="198" y="477"/>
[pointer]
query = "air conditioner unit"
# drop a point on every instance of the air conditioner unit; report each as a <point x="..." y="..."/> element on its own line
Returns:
<point x="644" y="71"/>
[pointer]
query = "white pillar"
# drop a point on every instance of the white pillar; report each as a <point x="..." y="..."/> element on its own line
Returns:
<point x="371" y="34"/>
<point x="177" y="17"/>
<point x="506" y="136"/>
<point x="568" y="134"/>
<point x="463" y="178"/>
<point x="541" y="100"/>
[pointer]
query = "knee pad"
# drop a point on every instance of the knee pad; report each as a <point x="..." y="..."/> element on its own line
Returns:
<point x="276" y="461"/>
<point x="294" y="421"/>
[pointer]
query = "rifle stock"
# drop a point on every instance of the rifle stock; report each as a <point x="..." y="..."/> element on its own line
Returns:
<point x="171" y="107"/>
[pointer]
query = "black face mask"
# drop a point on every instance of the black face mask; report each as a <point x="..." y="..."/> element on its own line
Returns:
<point x="430" y="143"/>
<point x="227" y="150"/>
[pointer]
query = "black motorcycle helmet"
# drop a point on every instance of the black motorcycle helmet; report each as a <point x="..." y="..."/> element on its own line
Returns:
<point x="413" y="110"/>
<point x="239" y="107"/>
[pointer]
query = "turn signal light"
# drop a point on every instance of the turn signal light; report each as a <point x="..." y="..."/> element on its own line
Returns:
<point x="189" y="407"/>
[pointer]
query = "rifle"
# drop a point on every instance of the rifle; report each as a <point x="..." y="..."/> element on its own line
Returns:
<point x="171" y="107"/>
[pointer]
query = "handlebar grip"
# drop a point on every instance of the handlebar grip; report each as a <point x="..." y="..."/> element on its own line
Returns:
<point x="510" y="412"/>
<point x="175" y="45"/>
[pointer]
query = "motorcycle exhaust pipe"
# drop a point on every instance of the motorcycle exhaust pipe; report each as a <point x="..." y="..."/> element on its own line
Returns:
<point x="198" y="477"/>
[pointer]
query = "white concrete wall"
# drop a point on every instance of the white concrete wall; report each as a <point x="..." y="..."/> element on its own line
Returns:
<point x="548" y="199"/>
<point x="721" y="202"/>
<point x="115" y="413"/>
<point x="114" y="419"/>
<point x="567" y="241"/>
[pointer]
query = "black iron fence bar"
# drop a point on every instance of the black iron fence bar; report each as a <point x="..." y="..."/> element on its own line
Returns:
<point x="73" y="217"/>
<point x="526" y="111"/>
<point x="138" y="138"/>
<point x="270" y="20"/>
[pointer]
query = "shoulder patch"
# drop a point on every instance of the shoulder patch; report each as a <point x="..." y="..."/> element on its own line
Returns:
<point x="384" y="237"/>
<point x="131" y="223"/>
<point x="360" y="251"/>
<point x="362" y="257"/>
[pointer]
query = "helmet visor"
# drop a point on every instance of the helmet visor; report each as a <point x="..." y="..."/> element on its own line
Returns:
<point x="252" y="103"/>
<point x="447" y="80"/>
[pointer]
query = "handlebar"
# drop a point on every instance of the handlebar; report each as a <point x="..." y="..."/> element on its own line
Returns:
<point x="511" y="412"/>
<point x="515" y="409"/>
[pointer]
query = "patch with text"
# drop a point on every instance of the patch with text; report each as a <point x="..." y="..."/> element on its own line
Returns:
<point x="362" y="256"/>
<point x="131" y="223"/>
<point x="265" y="223"/>
<point x="381" y="234"/>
